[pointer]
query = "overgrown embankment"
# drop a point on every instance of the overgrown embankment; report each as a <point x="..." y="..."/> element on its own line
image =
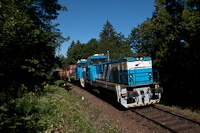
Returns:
<point x="55" y="110"/>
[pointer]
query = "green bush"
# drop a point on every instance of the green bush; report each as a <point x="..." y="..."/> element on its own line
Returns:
<point x="59" y="82"/>
<point x="55" y="109"/>
<point x="26" y="114"/>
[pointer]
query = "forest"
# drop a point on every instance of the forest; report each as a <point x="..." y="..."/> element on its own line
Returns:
<point x="29" y="41"/>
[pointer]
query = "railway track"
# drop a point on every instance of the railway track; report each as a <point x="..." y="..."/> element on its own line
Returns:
<point x="170" y="121"/>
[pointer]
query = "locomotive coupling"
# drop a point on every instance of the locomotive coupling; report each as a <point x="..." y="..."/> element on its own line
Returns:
<point x="158" y="89"/>
<point x="133" y="93"/>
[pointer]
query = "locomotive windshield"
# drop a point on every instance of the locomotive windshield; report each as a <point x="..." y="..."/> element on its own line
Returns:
<point x="81" y="65"/>
<point x="97" y="61"/>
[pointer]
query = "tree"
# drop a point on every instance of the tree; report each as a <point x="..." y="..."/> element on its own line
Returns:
<point x="91" y="48"/>
<point x="107" y="38"/>
<point x="28" y="42"/>
<point x="113" y="42"/>
<point x="70" y="53"/>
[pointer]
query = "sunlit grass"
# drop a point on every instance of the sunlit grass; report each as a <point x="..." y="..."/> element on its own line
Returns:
<point x="73" y="114"/>
<point x="189" y="111"/>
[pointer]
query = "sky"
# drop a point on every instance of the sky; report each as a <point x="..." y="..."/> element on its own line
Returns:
<point x="85" y="19"/>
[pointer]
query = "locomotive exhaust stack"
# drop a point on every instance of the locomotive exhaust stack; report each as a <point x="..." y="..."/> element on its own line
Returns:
<point x="108" y="56"/>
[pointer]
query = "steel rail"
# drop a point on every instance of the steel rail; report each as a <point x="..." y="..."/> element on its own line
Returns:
<point x="160" y="124"/>
<point x="177" y="115"/>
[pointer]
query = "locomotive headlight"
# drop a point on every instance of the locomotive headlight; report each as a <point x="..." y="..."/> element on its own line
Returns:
<point x="150" y="76"/>
<point x="131" y="77"/>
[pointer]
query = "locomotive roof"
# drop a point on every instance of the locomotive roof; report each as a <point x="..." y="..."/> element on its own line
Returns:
<point x="131" y="59"/>
<point x="98" y="57"/>
<point x="82" y="61"/>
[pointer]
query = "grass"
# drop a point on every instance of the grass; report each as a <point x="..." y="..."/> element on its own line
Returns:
<point x="58" y="109"/>
<point x="188" y="110"/>
<point x="191" y="111"/>
<point x="72" y="114"/>
<point x="67" y="116"/>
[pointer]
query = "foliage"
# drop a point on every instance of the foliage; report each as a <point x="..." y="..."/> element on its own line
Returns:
<point x="141" y="39"/>
<point x="71" y="53"/>
<point x="28" y="42"/>
<point x="59" y="82"/>
<point x="91" y="48"/>
<point x="170" y="37"/>
<point x="111" y="41"/>
<point x="50" y="111"/>
<point x="26" y="114"/>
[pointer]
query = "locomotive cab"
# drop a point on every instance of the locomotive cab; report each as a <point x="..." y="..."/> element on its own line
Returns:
<point x="139" y="89"/>
<point x="81" y="71"/>
<point x="94" y="67"/>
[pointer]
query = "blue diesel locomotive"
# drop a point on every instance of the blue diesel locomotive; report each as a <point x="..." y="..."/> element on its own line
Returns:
<point x="79" y="72"/>
<point x="130" y="79"/>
